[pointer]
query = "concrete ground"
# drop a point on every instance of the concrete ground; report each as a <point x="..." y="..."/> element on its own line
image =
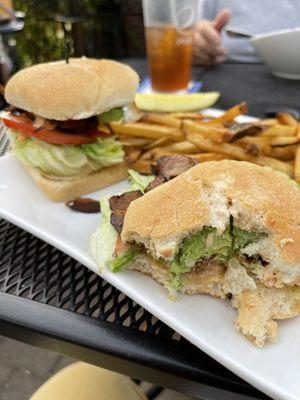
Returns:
<point x="24" y="368"/>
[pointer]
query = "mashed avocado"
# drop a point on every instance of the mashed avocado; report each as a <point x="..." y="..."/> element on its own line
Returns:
<point x="207" y="245"/>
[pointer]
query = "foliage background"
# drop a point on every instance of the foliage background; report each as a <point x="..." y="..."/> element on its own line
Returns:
<point x="112" y="28"/>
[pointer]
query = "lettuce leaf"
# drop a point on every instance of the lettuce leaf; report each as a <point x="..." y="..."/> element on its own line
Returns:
<point x="138" y="181"/>
<point x="116" y="114"/>
<point x="122" y="260"/>
<point x="66" y="160"/>
<point x="103" y="241"/>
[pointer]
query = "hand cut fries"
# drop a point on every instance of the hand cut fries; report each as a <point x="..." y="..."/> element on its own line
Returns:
<point x="146" y="130"/>
<point x="279" y="130"/>
<point x="273" y="142"/>
<point x="215" y="133"/>
<point x="187" y="115"/>
<point x="238" y="153"/>
<point x="297" y="164"/>
<point x="287" y="119"/>
<point x="231" y="114"/>
<point x="162" y="120"/>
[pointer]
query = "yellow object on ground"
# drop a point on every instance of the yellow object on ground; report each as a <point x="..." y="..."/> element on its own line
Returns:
<point x="175" y="102"/>
<point x="82" y="381"/>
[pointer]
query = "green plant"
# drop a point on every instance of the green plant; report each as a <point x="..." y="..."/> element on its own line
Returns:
<point x="42" y="38"/>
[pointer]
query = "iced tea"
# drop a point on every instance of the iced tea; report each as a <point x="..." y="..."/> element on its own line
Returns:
<point x="169" y="53"/>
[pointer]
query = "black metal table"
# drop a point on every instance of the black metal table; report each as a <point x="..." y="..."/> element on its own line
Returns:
<point x="49" y="300"/>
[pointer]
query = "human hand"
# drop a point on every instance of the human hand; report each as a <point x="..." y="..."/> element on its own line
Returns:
<point x="207" y="45"/>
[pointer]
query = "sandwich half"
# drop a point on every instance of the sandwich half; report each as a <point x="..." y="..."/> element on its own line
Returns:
<point x="57" y="123"/>
<point x="229" y="229"/>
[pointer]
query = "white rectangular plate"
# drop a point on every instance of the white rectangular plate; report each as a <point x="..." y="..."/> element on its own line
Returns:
<point x="207" y="322"/>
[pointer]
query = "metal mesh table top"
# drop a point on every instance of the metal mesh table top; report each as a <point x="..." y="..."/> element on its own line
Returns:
<point x="31" y="269"/>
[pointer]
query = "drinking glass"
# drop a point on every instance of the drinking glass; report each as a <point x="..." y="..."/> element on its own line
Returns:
<point x="168" y="30"/>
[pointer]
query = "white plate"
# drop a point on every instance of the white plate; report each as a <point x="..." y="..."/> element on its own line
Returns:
<point x="206" y="322"/>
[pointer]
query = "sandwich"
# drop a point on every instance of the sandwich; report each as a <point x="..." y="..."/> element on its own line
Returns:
<point x="57" y="123"/>
<point x="229" y="229"/>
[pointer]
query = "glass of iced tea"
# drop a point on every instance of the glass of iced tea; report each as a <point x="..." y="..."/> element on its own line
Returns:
<point x="168" y="29"/>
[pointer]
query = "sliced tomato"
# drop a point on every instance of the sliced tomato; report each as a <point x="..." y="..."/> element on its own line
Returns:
<point x="19" y="123"/>
<point x="26" y="127"/>
<point x="55" y="137"/>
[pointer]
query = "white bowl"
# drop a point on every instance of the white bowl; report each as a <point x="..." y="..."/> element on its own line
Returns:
<point x="280" y="50"/>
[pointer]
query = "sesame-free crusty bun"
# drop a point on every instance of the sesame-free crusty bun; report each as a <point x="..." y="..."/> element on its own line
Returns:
<point x="210" y="194"/>
<point x="65" y="189"/>
<point x="76" y="90"/>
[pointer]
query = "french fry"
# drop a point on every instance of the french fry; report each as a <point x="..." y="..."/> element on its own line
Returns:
<point x="187" y="115"/>
<point x="279" y="130"/>
<point x="238" y="153"/>
<point x="297" y="164"/>
<point x="257" y="149"/>
<point x="141" y="129"/>
<point x="286" y="119"/>
<point x="104" y="128"/>
<point x="162" y="119"/>
<point x="178" y="148"/>
<point x="284" y="140"/>
<point x="286" y="153"/>
<point x="133" y="156"/>
<point x="158" y="142"/>
<point x="270" y="140"/>
<point x="147" y="155"/>
<point x="203" y="157"/>
<point x="135" y="142"/>
<point x="175" y="148"/>
<point x="211" y="132"/>
<point x="142" y="166"/>
<point x="298" y="131"/>
<point x="230" y="114"/>
<point x="268" y="122"/>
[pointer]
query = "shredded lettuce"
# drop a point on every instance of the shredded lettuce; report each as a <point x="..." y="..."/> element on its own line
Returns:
<point x="116" y="114"/>
<point x="138" y="181"/>
<point x="66" y="160"/>
<point x="122" y="260"/>
<point x="103" y="241"/>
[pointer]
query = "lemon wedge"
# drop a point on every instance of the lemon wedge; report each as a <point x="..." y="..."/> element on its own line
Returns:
<point x="175" y="102"/>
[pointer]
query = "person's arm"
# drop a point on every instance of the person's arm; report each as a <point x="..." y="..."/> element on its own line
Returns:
<point x="207" y="46"/>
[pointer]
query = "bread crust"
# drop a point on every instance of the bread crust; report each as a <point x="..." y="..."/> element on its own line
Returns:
<point x="258" y="198"/>
<point x="61" y="190"/>
<point x="258" y="311"/>
<point x="80" y="89"/>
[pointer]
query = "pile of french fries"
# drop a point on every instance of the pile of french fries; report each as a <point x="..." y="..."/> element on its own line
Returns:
<point x="273" y="143"/>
